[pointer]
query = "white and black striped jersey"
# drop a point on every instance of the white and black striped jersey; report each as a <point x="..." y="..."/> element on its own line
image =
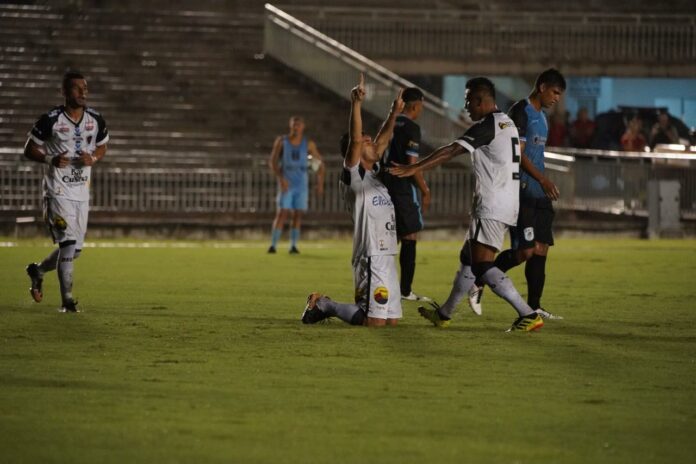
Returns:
<point x="56" y="133"/>
<point x="374" y="223"/>
<point x="495" y="146"/>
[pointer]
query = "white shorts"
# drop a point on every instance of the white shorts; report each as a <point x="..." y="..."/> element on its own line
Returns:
<point x="488" y="231"/>
<point x="66" y="220"/>
<point x="377" y="287"/>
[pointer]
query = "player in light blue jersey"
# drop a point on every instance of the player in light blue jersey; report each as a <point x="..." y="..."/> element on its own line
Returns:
<point x="533" y="235"/>
<point x="291" y="156"/>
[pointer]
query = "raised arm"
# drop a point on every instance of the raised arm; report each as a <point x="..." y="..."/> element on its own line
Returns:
<point x="387" y="130"/>
<point x="357" y="94"/>
<point x="436" y="158"/>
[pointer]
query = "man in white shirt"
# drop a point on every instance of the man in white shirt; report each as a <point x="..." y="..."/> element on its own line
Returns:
<point x="377" y="294"/>
<point x="69" y="139"/>
<point x="494" y="144"/>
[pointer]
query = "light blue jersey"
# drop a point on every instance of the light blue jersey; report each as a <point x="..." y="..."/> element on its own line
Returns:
<point x="294" y="163"/>
<point x="533" y="129"/>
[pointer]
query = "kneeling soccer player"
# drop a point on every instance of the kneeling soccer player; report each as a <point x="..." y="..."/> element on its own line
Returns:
<point x="377" y="294"/>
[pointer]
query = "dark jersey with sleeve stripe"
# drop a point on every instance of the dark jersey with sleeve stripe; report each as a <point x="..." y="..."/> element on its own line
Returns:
<point x="495" y="147"/>
<point x="405" y="143"/>
<point x="56" y="133"/>
<point x="533" y="129"/>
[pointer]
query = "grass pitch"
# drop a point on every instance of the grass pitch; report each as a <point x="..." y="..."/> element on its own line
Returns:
<point x="196" y="354"/>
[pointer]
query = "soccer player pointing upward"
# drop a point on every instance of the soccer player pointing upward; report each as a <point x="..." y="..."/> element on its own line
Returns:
<point x="494" y="144"/>
<point x="377" y="297"/>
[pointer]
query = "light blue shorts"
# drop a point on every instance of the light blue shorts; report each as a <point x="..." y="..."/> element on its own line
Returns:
<point x="294" y="198"/>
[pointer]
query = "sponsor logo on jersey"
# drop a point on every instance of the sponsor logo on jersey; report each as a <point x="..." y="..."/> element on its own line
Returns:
<point x="89" y="126"/>
<point x="539" y="140"/>
<point x="412" y="144"/>
<point x="504" y="125"/>
<point x="379" y="200"/>
<point x="391" y="225"/>
<point x="62" y="129"/>
<point x="381" y="295"/>
<point x="75" y="177"/>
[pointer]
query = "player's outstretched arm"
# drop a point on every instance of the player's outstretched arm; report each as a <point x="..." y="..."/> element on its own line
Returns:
<point x="436" y="158"/>
<point x="387" y="130"/>
<point x="357" y="94"/>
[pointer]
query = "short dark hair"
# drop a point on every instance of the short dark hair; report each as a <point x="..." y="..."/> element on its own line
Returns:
<point x="70" y="75"/>
<point x="481" y="86"/>
<point x="412" y="94"/>
<point x="552" y="77"/>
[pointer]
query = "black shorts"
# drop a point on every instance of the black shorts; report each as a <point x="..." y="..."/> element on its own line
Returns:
<point x="534" y="223"/>
<point x="409" y="219"/>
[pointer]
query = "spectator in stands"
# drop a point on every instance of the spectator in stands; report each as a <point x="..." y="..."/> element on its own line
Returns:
<point x="558" y="131"/>
<point x="582" y="130"/>
<point x="633" y="139"/>
<point x="70" y="139"/>
<point x="291" y="155"/>
<point x="663" y="131"/>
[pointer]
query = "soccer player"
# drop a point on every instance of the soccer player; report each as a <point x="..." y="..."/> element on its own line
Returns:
<point x="533" y="235"/>
<point x="494" y="143"/>
<point x="404" y="149"/>
<point x="70" y="139"/>
<point x="289" y="161"/>
<point x="377" y="301"/>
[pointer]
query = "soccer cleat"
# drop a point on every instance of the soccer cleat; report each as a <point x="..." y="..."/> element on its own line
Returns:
<point x="312" y="314"/>
<point x="413" y="297"/>
<point x="294" y="251"/>
<point x="433" y="315"/>
<point x="475" y="294"/>
<point x="36" y="282"/>
<point x="547" y="315"/>
<point x="271" y="250"/>
<point x="527" y="323"/>
<point x="69" y="306"/>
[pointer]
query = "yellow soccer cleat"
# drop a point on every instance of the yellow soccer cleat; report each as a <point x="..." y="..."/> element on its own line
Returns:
<point x="433" y="315"/>
<point x="527" y="323"/>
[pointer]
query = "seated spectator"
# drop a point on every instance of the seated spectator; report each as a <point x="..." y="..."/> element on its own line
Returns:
<point x="582" y="130"/>
<point x="663" y="131"/>
<point x="633" y="139"/>
<point x="558" y="131"/>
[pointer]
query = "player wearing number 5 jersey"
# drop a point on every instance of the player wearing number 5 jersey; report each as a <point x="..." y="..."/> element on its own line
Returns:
<point x="70" y="139"/>
<point x="494" y="144"/>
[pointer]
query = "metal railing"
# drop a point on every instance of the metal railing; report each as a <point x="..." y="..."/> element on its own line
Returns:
<point x="336" y="67"/>
<point x="605" y="182"/>
<point x="589" y="39"/>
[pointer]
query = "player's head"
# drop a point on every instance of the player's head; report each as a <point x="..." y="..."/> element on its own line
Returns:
<point x="549" y="87"/>
<point x="480" y="97"/>
<point x="296" y="125"/>
<point x="74" y="89"/>
<point x="413" y="98"/>
<point x="369" y="151"/>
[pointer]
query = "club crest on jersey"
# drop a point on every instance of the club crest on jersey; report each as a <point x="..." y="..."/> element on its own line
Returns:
<point x="89" y="126"/>
<point x="381" y="295"/>
<point x="529" y="234"/>
<point x="62" y="129"/>
<point x="504" y="125"/>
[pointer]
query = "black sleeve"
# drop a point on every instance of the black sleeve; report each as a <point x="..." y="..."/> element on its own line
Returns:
<point x="102" y="131"/>
<point x="413" y="140"/>
<point x="479" y="135"/>
<point x="43" y="128"/>
<point x="518" y="114"/>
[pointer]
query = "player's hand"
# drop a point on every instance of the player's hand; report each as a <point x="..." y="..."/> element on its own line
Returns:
<point x="357" y="94"/>
<point x="61" y="161"/>
<point x="425" y="201"/>
<point x="87" y="159"/>
<point x="402" y="170"/>
<point x="550" y="189"/>
<point x="284" y="185"/>
<point x="398" y="104"/>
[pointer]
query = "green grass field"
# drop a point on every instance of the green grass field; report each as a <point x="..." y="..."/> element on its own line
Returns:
<point x="197" y="355"/>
